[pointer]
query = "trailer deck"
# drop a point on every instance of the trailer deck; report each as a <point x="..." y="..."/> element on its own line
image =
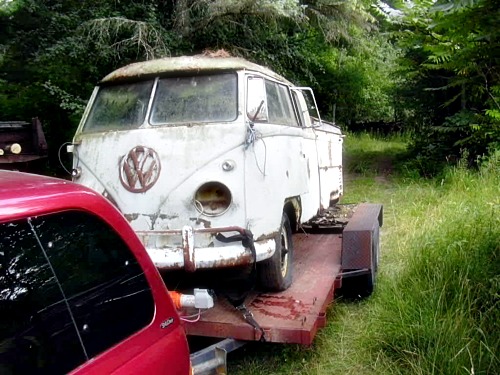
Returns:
<point x="292" y="316"/>
<point x="333" y="255"/>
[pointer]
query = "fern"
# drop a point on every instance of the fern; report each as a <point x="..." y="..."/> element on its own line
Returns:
<point x="493" y="113"/>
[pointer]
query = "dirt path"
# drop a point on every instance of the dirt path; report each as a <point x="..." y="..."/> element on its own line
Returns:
<point x="382" y="164"/>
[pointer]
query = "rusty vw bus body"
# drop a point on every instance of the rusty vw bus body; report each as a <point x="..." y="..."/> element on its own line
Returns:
<point x="213" y="161"/>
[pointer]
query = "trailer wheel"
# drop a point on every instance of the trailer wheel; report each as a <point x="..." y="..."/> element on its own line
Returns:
<point x="362" y="286"/>
<point x="275" y="273"/>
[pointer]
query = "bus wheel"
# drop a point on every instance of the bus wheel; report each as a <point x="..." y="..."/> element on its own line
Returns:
<point x="276" y="273"/>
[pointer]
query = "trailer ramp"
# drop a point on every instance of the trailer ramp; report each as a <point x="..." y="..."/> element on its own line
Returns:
<point x="291" y="316"/>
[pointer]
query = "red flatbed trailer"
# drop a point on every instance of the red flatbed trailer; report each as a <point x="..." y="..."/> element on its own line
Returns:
<point x="324" y="259"/>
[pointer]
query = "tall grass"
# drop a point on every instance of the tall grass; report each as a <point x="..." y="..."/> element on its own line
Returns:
<point x="436" y="309"/>
<point x="441" y="313"/>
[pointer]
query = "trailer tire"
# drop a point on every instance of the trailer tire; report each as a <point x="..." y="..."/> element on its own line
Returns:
<point x="276" y="273"/>
<point x="363" y="286"/>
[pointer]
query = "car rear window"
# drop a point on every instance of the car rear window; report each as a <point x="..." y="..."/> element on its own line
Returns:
<point x="70" y="288"/>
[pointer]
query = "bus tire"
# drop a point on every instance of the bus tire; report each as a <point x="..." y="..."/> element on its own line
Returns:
<point x="276" y="273"/>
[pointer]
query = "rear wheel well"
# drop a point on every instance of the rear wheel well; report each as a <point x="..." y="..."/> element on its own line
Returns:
<point x="292" y="210"/>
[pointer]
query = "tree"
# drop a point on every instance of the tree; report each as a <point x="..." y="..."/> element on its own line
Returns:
<point x="451" y="66"/>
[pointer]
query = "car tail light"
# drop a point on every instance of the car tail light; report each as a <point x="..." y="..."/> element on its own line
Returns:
<point x="212" y="199"/>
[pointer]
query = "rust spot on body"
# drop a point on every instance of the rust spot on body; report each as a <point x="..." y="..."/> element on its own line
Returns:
<point x="206" y="223"/>
<point x="168" y="217"/>
<point x="269" y="236"/>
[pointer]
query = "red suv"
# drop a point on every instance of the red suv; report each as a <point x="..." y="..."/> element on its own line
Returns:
<point x="78" y="292"/>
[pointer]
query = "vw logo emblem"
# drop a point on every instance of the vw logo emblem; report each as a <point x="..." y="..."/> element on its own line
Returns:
<point x="139" y="169"/>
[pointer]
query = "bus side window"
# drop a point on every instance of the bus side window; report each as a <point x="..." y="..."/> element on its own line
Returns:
<point x="256" y="100"/>
<point x="298" y="111"/>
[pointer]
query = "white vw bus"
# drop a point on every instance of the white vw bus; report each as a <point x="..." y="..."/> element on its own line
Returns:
<point x="213" y="161"/>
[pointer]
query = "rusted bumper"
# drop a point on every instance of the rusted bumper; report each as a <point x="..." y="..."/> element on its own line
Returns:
<point x="191" y="258"/>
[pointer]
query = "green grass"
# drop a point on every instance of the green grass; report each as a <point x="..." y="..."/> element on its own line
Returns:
<point x="436" y="309"/>
<point x="367" y="155"/>
<point x="440" y="312"/>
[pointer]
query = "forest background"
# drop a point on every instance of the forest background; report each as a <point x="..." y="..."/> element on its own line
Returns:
<point x="428" y="68"/>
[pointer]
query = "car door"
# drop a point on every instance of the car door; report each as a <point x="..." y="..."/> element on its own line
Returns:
<point x="276" y="165"/>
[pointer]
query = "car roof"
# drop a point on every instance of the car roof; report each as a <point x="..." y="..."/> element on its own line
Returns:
<point x="24" y="194"/>
<point x="187" y="64"/>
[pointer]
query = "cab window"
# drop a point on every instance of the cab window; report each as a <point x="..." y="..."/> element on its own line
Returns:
<point x="119" y="107"/>
<point x="280" y="104"/>
<point x="269" y="101"/>
<point x="297" y="107"/>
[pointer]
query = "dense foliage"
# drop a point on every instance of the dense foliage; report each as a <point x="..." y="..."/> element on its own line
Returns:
<point x="451" y="73"/>
<point x="52" y="52"/>
<point x="430" y="66"/>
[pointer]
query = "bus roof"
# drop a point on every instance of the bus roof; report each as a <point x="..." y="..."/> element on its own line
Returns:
<point x="186" y="64"/>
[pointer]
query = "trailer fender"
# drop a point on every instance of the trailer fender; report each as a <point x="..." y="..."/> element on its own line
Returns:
<point x="360" y="251"/>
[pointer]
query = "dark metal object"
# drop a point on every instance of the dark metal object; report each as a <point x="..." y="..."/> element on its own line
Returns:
<point x="29" y="136"/>
<point x="248" y="316"/>
<point x="332" y="218"/>
<point x="357" y="237"/>
<point x="354" y="273"/>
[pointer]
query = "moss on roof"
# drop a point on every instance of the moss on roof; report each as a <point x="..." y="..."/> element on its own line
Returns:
<point x="186" y="64"/>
